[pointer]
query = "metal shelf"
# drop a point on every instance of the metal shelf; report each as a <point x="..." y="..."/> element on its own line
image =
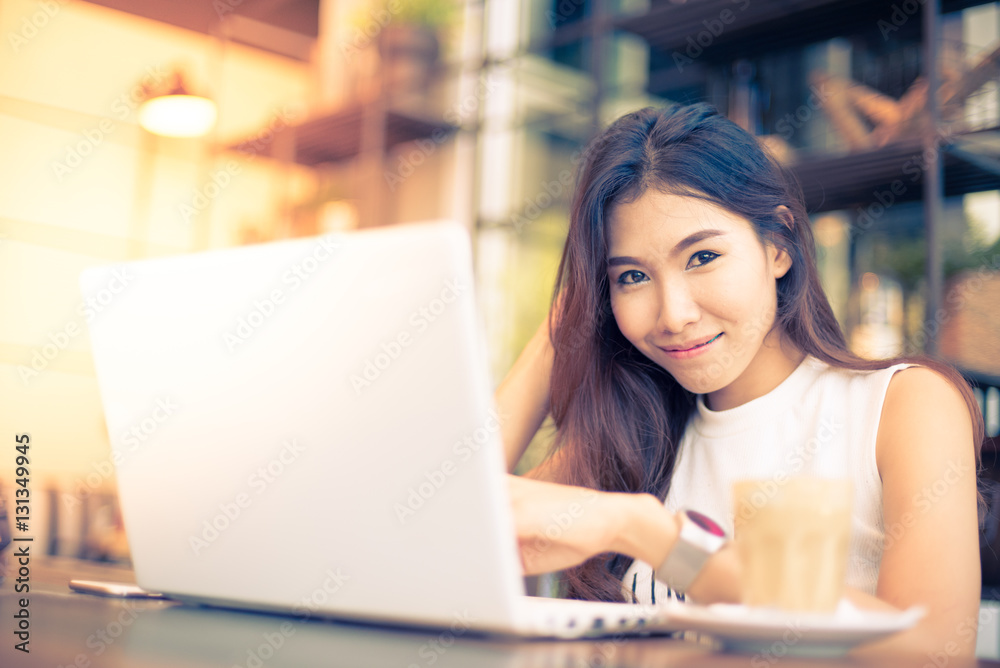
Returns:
<point x="842" y="181"/>
<point x="756" y="27"/>
<point x="337" y="136"/>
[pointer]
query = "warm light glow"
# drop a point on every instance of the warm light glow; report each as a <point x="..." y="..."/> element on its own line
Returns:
<point x="869" y="281"/>
<point x="829" y="231"/>
<point x="178" y="115"/>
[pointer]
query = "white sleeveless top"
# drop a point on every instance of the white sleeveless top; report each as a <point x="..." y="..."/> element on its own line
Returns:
<point x="820" y="420"/>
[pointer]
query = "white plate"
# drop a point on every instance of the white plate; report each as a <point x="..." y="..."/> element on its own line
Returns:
<point x="781" y="633"/>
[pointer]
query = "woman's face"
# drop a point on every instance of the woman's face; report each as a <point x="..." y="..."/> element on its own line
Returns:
<point x="694" y="289"/>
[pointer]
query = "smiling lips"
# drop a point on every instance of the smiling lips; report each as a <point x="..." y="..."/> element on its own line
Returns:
<point x="691" y="350"/>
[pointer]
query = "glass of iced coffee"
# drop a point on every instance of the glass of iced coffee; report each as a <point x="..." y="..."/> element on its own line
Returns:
<point x="792" y="537"/>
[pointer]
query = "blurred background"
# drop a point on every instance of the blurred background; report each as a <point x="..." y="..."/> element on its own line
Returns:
<point x="299" y="117"/>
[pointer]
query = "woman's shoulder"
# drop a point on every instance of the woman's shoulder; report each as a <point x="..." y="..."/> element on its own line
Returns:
<point x="923" y="409"/>
<point x="904" y="381"/>
<point x="901" y="385"/>
<point x="867" y="385"/>
<point x="889" y="369"/>
<point x="917" y="376"/>
<point x="918" y="393"/>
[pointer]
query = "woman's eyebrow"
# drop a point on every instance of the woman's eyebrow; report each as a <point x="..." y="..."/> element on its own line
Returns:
<point x="689" y="240"/>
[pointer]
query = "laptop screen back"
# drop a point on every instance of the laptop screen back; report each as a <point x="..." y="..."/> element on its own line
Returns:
<point x="308" y="425"/>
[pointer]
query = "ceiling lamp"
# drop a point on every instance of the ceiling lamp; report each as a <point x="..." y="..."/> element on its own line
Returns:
<point x="175" y="112"/>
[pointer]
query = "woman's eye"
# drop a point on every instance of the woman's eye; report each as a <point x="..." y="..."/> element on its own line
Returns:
<point x="637" y="276"/>
<point x="702" y="257"/>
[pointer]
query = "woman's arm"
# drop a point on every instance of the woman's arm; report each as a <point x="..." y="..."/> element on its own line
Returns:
<point x="927" y="462"/>
<point x="559" y="526"/>
<point x="522" y="398"/>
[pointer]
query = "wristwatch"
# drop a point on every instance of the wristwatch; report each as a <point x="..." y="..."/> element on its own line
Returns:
<point x="700" y="537"/>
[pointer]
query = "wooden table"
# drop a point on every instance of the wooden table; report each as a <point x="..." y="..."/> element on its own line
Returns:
<point x="70" y="629"/>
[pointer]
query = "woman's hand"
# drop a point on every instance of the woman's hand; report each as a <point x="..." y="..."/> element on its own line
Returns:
<point x="559" y="526"/>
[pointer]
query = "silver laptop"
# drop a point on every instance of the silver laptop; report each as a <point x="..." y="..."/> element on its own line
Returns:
<point x="308" y="427"/>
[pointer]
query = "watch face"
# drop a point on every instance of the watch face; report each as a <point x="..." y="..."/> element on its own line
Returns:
<point x="706" y="523"/>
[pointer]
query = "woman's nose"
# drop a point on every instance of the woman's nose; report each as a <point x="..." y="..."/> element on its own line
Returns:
<point x="678" y="308"/>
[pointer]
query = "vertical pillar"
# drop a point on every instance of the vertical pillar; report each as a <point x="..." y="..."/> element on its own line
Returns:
<point x="598" y="37"/>
<point x="933" y="178"/>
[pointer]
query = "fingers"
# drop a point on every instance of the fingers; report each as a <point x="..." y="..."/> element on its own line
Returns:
<point x="557" y="525"/>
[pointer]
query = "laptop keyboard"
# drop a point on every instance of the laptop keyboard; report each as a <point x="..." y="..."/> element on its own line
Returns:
<point x="571" y="618"/>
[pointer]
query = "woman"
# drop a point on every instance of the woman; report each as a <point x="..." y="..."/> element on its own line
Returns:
<point x="691" y="345"/>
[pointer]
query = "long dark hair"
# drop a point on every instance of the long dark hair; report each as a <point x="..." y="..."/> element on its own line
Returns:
<point x="620" y="416"/>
